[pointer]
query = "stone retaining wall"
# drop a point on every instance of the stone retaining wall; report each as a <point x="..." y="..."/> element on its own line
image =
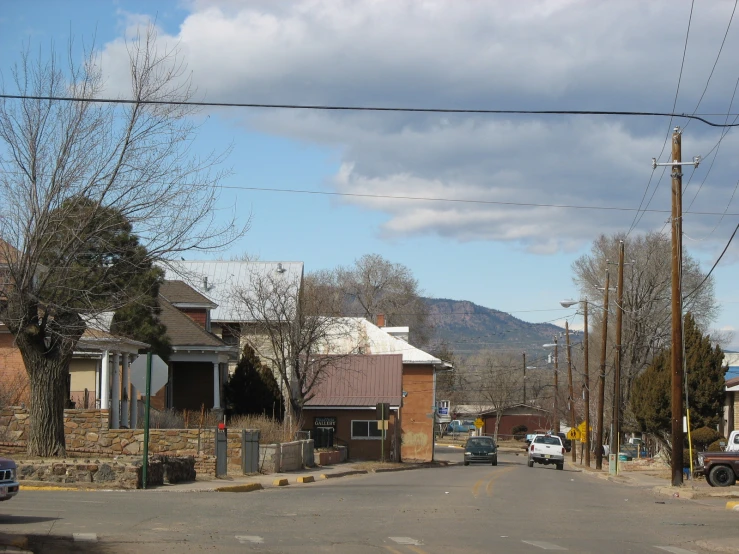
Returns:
<point x="118" y="474"/>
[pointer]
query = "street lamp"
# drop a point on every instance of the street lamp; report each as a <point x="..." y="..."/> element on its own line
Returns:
<point x="586" y="438"/>
<point x="556" y="385"/>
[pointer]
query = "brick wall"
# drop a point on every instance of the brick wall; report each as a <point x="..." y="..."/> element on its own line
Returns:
<point x="13" y="376"/>
<point x="417" y="414"/>
<point x="198" y="315"/>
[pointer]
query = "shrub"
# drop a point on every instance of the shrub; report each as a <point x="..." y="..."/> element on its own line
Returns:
<point x="715" y="446"/>
<point x="704" y="436"/>
<point x="519" y="432"/>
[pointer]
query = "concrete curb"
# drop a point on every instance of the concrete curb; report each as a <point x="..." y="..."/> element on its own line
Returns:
<point x="306" y="479"/>
<point x="246" y="487"/>
<point x="46" y="486"/>
<point x="13" y="543"/>
<point x="280" y="482"/>
<point x="344" y="474"/>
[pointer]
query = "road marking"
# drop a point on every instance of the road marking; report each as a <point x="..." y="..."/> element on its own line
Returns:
<point x="406" y="540"/>
<point x="85" y="537"/>
<point x="544" y="545"/>
<point x="498" y="473"/>
<point x="249" y="539"/>
<point x="391" y="549"/>
<point x="675" y="550"/>
<point x="417" y="550"/>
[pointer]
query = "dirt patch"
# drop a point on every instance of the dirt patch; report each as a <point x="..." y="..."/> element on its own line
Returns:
<point x="372" y="466"/>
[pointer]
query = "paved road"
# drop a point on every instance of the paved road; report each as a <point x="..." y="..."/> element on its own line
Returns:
<point x="477" y="509"/>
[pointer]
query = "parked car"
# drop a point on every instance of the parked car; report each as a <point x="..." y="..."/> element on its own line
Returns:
<point x="480" y="449"/>
<point x="460" y="426"/>
<point x="547" y="449"/>
<point x="721" y="469"/>
<point x="8" y="479"/>
<point x="567" y="443"/>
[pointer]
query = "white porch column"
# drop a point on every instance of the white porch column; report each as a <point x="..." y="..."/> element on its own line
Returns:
<point x="125" y="384"/>
<point x="134" y="407"/>
<point x="105" y="381"/>
<point x="216" y="386"/>
<point x="115" y="401"/>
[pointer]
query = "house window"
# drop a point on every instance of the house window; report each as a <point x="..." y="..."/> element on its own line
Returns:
<point x="230" y="335"/>
<point x="365" y="430"/>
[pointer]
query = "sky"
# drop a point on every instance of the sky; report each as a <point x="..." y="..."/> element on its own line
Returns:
<point x="475" y="241"/>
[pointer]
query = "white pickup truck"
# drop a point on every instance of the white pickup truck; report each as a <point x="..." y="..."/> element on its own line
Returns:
<point x="547" y="449"/>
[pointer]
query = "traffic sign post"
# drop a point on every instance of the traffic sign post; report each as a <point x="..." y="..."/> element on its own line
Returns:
<point x="478" y="425"/>
<point x="573" y="434"/>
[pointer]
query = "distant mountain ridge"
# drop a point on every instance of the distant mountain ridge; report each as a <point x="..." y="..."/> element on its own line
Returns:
<point x="469" y="328"/>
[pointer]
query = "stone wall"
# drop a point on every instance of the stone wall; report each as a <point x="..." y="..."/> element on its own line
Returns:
<point x="286" y="456"/>
<point x="117" y="474"/>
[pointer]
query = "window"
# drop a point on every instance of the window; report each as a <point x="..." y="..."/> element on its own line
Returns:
<point x="548" y="440"/>
<point x="736" y="439"/>
<point x="365" y="430"/>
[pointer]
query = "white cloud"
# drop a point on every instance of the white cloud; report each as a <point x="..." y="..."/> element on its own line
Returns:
<point x="543" y="54"/>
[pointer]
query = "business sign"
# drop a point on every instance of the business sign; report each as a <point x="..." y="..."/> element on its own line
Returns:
<point x="324" y="422"/>
<point x="443" y="410"/>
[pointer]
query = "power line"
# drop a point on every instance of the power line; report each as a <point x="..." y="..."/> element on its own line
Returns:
<point x="329" y="107"/>
<point x="696" y="289"/>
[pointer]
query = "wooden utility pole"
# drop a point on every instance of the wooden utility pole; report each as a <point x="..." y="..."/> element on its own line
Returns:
<point x="524" y="377"/>
<point x="617" y="369"/>
<point x="573" y="423"/>
<point x="677" y="310"/>
<point x="556" y="388"/>
<point x="602" y="379"/>
<point x="586" y="437"/>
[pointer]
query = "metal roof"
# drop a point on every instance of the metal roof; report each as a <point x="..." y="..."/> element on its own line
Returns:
<point x="217" y="281"/>
<point x="360" y="381"/>
<point x="368" y="338"/>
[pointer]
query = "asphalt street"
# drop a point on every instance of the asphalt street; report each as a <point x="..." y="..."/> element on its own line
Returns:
<point x="475" y="509"/>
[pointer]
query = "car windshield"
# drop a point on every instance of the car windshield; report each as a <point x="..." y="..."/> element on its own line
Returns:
<point x="547" y="440"/>
<point x="480" y="441"/>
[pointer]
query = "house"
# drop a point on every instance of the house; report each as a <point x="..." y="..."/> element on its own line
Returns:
<point x="730" y="421"/>
<point x="418" y="409"/>
<point x="198" y="366"/>
<point x="98" y="373"/>
<point x="532" y="417"/>
<point x="344" y="402"/>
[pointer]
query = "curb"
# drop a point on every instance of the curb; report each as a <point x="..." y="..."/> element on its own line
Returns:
<point x="733" y="505"/>
<point x="344" y="474"/>
<point x="306" y="479"/>
<point x="247" y="487"/>
<point x="280" y="482"/>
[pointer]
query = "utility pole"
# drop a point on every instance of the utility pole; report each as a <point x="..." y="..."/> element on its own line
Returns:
<point x="677" y="302"/>
<point x="573" y="423"/>
<point x="586" y="438"/>
<point x="556" y="388"/>
<point x="524" y="377"/>
<point x="602" y="379"/>
<point x="617" y="369"/>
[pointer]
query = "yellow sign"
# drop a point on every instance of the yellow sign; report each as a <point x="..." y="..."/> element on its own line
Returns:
<point x="573" y="434"/>
<point x="478" y="423"/>
<point x="583" y="433"/>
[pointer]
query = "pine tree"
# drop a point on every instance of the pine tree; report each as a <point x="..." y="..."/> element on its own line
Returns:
<point x="252" y="389"/>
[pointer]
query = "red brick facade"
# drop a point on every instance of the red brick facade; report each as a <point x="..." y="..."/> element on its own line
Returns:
<point x="198" y="315"/>
<point x="13" y="374"/>
<point x="417" y="414"/>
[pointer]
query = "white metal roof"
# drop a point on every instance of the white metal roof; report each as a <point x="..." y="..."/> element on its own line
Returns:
<point x="217" y="280"/>
<point x="731" y="359"/>
<point x="370" y="339"/>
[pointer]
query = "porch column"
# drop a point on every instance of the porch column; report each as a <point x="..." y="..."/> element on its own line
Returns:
<point x="115" y="401"/>
<point x="105" y="381"/>
<point x="216" y="386"/>
<point x="134" y="407"/>
<point x="125" y="386"/>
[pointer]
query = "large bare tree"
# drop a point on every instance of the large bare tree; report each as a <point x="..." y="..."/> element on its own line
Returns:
<point x="376" y="286"/>
<point x="77" y="176"/>
<point x="291" y="324"/>
<point x="646" y="298"/>
<point x="501" y="381"/>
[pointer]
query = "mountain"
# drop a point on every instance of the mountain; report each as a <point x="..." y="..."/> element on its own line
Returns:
<point x="468" y="328"/>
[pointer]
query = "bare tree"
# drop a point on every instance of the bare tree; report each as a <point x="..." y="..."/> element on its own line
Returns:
<point x="647" y="312"/>
<point x="77" y="177"/>
<point x="375" y="286"/>
<point x="291" y="324"/>
<point x="501" y="381"/>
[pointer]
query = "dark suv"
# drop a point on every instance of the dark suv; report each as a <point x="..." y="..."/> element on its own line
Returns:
<point x="567" y="443"/>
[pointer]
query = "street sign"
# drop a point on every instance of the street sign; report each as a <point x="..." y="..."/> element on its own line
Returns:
<point x="573" y="434"/>
<point x="478" y="423"/>
<point x="159" y="374"/>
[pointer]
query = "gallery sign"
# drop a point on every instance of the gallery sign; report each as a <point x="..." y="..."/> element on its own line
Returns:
<point x="324" y="422"/>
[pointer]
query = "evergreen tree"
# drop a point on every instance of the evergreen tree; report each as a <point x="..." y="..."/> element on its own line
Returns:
<point x="253" y="389"/>
<point x="651" y="399"/>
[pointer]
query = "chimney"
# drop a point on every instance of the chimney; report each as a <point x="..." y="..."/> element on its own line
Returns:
<point x="381" y="320"/>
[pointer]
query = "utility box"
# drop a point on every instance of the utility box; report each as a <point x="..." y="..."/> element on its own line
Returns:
<point x="221" y="451"/>
<point x="250" y="451"/>
<point x="612" y="463"/>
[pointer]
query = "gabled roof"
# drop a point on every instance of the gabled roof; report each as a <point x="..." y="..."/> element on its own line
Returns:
<point x="732" y="384"/>
<point x="180" y="293"/>
<point x="360" y="381"/>
<point x="731" y="359"/>
<point x="217" y="281"/>
<point x="371" y="339"/>
<point x="183" y="331"/>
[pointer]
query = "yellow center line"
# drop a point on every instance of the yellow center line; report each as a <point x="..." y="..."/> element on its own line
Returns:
<point x="417" y="550"/>
<point x="391" y="549"/>
<point x="489" y="487"/>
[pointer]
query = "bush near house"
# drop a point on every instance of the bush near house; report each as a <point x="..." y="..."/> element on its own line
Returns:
<point x="519" y="432"/>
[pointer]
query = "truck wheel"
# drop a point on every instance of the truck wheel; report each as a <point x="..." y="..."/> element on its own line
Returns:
<point x="560" y="466"/>
<point x="495" y="461"/>
<point x="531" y="462"/>
<point x="721" y="476"/>
<point x="466" y="463"/>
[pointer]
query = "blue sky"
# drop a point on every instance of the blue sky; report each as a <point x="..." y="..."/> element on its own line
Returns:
<point x="536" y="55"/>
